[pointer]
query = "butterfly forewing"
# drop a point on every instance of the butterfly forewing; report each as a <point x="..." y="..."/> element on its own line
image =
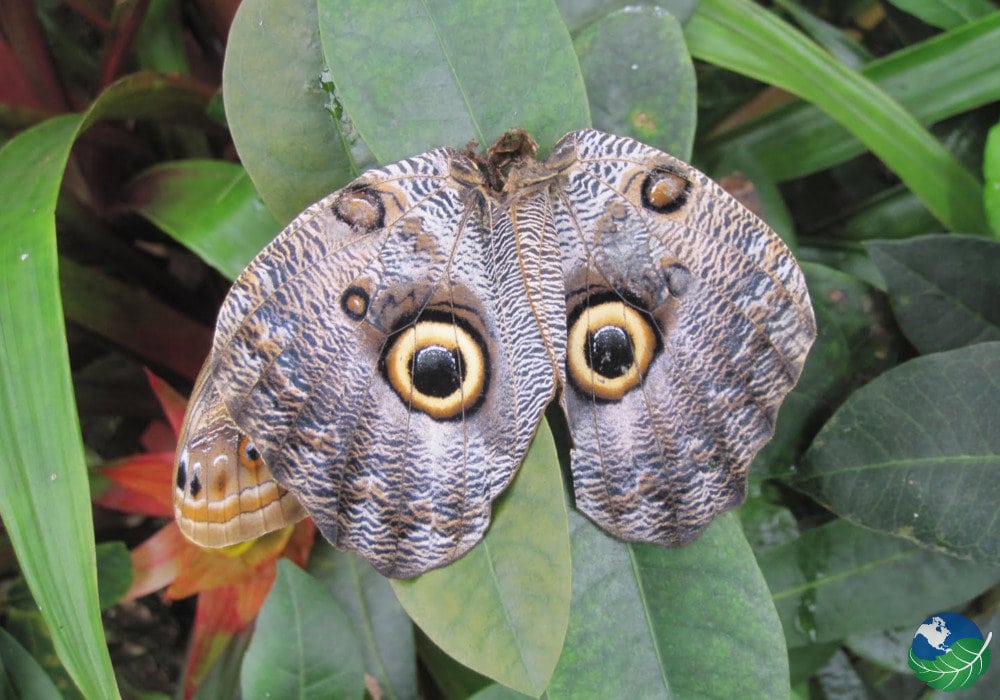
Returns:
<point x="384" y="356"/>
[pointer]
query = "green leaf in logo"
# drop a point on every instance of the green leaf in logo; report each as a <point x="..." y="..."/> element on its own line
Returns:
<point x="957" y="668"/>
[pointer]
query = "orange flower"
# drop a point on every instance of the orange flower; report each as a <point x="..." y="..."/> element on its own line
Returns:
<point x="231" y="583"/>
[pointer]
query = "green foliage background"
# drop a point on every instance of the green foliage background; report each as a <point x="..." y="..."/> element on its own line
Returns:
<point x="874" y="506"/>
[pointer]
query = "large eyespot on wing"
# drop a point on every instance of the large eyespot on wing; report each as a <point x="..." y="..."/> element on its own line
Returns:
<point x="656" y="255"/>
<point x="224" y="494"/>
<point x="382" y="356"/>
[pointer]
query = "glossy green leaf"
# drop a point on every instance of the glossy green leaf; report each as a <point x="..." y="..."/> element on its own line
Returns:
<point x="385" y="631"/>
<point x="746" y="38"/>
<point x="646" y="92"/>
<point x="944" y="289"/>
<point x="801" y="139"/>
<point x="839" y="579"/>
<point x="916" y="453"/>
<point x="208" y="205"/>
<point x="648" y="621"/>
<point x="304" y="644"/>
<point x="946" y="13"/>
<point x="852" y="344"/>
<point x="279" y="114"/>
<point x="502" y="609"/>
<point x="20" y="674"/>
<point x="413" y="76"/>
<point x="991" y="173"/>
<point x="44" y="500"/>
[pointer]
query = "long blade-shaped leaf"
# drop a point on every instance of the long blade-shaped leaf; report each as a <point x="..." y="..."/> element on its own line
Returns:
<point x="746" y="38"/>
<point x="802" y="139"/>
<point x="45" y="498"/>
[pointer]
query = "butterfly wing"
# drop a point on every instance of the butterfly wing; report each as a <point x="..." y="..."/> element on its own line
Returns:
<point x="688" y="320"/>
<point x="382" y="356"/>
<point x="224" y="493"/>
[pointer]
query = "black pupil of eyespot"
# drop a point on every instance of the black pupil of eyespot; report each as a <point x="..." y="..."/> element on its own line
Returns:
<point x="252" y="454"/>
<point x="609" y="351"/>
<point x="437" y="371"/>
<point x="181" y="473"/>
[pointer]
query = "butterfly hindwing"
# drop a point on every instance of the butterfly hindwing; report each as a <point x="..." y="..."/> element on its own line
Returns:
<point x="688" y="322"/>
<point x="224" y="493"/>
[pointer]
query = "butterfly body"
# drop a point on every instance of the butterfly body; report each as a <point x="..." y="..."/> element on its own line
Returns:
<point x="392" y="352"/>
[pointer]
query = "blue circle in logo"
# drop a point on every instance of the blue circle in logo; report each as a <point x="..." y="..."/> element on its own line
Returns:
<point x="938" y="632"/>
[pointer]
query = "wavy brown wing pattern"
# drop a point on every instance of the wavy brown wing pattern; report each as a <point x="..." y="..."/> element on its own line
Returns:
<point x="383" y="355"/>
<point x="391" y="352"/>
<point x="658" y="256"/>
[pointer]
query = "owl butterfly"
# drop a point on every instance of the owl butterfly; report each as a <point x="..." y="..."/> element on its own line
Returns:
<point x="391" y="352"/>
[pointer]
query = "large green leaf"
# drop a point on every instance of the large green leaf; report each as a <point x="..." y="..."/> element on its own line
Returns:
<point x="281" y="118"/>
<point x="304" y="645"/>
<point x="45" y="499"/>
<point x="944" y="289"/>
<point x="412" y="76"/>
<point x="647" y="92"/>
<point x="502" y="609"/>
<point x="746" y="38"/>
<point x="385" y="631"/>
<point x="916" y="453"/>
<point x="839" y="579"/>
<point x="208" y="205"/>
<point x="801" y="138"/>
<point x="654" y="622"/>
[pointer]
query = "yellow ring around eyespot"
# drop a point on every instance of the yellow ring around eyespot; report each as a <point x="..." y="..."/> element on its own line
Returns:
<point x="640" y="333"/>
<point x="252" y="465"/>
<point x="453" y="338"/>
